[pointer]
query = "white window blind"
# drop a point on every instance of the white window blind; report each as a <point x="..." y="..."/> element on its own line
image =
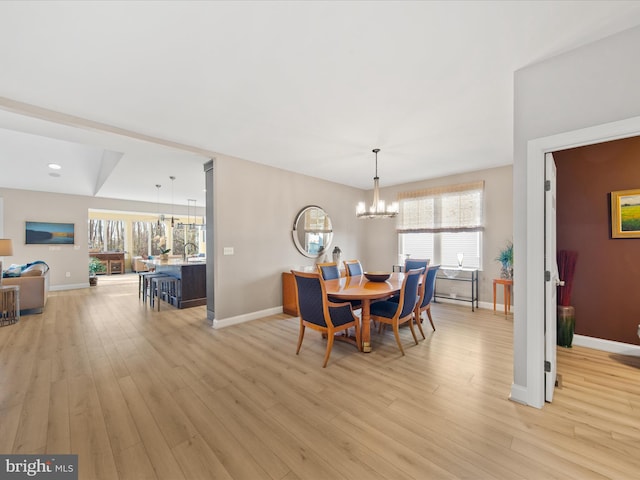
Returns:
<point x="456" y="208"/>
<point x="440" y="223"/>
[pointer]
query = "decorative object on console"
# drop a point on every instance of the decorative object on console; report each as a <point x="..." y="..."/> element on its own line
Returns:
<point x="336" y="255"/>
<point x="6" y="250"/>
<point x="566" y="320"/>
<point x="377" y="208"/>
<point x="505" y="257"/>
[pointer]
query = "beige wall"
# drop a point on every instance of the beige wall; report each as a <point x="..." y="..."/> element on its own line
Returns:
<point x="255" y="206"/>
<point x="21" y="206"/>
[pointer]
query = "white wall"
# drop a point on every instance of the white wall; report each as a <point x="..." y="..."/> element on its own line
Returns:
<point x="590" y="86"/>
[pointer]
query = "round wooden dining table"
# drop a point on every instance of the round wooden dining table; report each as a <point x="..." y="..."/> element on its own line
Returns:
<point x="357" y="287"/>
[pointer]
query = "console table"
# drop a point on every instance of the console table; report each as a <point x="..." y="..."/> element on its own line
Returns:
<point x="456" y="274"/>
<point x="114" y="261"/>
<point x="9" y="304"/>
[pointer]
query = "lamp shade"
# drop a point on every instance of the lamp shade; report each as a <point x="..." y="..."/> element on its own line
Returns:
<point x="6" y="247"/>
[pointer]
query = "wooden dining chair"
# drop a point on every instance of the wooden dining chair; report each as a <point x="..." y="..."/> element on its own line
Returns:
<point x="319" y="313"/>
<point x="353" y="267"/>
<point x="328" y="270"/>
<point x="395" y="314"/>
<point x="425" y="292"/>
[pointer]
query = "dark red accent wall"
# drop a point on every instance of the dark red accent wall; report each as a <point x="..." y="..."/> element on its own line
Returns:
<point x="606" y="292"/>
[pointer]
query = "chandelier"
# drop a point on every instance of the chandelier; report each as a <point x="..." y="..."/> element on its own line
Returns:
<point x="377" y="208"/>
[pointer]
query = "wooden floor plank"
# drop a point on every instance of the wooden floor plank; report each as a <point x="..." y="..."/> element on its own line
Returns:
<point x="142" y="394"/>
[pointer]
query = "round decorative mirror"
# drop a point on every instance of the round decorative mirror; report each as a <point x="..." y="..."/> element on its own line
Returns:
<point x="312" y="231"/>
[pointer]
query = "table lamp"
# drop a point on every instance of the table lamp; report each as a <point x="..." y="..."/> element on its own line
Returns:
<point x="6" y="249"/>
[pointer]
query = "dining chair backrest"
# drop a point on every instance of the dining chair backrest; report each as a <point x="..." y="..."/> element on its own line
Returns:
<point x="413" y="263"/>
<point x="429" y="284"/>
<point x="353" y="267"/>
<point x="329" y="270"/>
<point x="409" y="291"/>
<point x="311" y="297"/>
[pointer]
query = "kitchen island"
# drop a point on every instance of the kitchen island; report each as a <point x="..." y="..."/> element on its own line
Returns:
<point x="192" y="275"/>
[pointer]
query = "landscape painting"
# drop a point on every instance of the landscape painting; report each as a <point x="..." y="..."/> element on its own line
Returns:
<point x="47" y="233"/>
<point x="625" y="214"/>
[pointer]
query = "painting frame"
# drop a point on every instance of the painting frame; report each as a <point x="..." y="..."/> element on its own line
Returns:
<point x="49" y="233"/>
<point x="625" y="213"/>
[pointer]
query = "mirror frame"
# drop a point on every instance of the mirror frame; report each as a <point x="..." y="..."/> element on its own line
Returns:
<point x="294" y="232"/>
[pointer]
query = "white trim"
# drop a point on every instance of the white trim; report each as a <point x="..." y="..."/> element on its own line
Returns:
<point x="247" y="317"/>
<point x="606" y="345"/>
<point x="75" y="286"/>
<point x="518" y="394"/>
<point x="534" y="282"/>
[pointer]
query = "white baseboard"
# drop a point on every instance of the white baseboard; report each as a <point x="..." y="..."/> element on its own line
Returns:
<point x="518" y="392"/>
<point x="75" y="286"/>
<point x="247" y="317"/>
<point x="606" y="345"/>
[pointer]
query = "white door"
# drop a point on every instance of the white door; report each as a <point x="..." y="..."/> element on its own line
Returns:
<point x="552" y="279"/>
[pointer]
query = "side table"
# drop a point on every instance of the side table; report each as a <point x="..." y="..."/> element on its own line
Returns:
<point x="507" y="284"/>
<point x="9" y="304"/>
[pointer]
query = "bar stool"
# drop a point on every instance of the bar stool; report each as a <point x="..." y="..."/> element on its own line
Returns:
<point x="165" y="288"/>
<point x="144" y="284"/>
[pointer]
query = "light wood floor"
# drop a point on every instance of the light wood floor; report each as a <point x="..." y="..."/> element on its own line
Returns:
<point x="140" y="394"/>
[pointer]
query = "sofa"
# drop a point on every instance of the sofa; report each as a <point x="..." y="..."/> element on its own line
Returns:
<point x="33" y="280"/>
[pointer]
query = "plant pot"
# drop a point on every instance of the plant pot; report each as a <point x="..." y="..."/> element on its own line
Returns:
<point x="566" y="325"/>
<point x="164" y="257"/>
<point x="93" y="281"/>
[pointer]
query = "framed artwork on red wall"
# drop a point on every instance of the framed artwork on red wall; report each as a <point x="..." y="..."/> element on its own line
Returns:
<point x="625" y="214"/>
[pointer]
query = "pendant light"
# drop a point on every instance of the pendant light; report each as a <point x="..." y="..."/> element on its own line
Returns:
<point x="377" y="208"/>
<point x="158" y="202"/>
<point x="172" y="219"/>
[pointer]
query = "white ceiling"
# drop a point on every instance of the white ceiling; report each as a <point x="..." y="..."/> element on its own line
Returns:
<point x="310" y="87"/>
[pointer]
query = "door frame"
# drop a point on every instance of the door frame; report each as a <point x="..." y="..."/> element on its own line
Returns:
<point x="534" y="288"/>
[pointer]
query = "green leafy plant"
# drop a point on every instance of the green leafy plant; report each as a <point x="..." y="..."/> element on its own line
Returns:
<point x="505" y="256"/>
<point x="96" y="266"/>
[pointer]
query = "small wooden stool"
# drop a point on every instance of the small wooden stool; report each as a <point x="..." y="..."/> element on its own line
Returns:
<point x="506" y="285"/>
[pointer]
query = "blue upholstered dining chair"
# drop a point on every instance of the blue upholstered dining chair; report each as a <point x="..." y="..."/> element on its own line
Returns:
<point x="425" y="292"/>
<point x="395" y="314"/>
<point x="329" y="270"/>
<point x="413" y="263"/>
<point x="319" y="313"/>
<point x="353" y="267"/>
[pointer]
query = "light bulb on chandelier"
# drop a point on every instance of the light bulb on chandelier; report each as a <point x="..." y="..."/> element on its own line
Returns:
<point x="377" y="208"/>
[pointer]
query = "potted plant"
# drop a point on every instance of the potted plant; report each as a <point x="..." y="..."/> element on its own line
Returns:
<point x="95" y="267"/>
<point x="566" y="320"/>
<point x="505" y="257"/>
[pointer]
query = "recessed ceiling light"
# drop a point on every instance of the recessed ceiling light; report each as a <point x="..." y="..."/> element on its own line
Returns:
<point x="54" y="174"/>
<point x="54" y="166"/>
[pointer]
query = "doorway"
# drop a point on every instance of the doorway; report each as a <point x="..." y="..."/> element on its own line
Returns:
<point x="533" y="277"/>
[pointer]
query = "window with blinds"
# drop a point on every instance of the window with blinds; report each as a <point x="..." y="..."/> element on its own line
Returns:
<point x="439" y="223"/>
